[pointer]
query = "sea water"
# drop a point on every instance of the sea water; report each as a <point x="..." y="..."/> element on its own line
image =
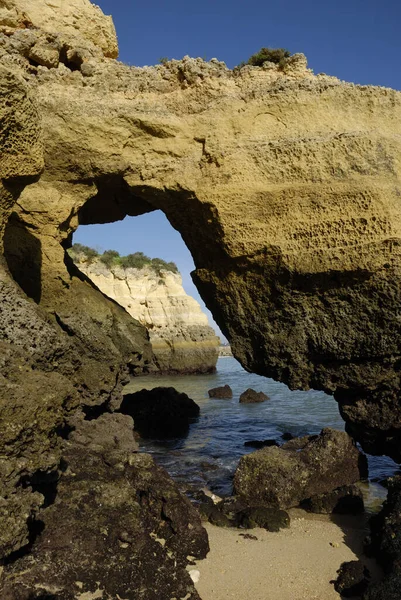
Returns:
<point x="209" y="454"/>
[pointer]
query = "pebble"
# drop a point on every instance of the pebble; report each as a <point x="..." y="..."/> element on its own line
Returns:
<point x="194" y="575"/>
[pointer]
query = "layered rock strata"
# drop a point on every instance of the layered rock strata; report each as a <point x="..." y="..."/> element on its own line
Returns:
<point x="285" y="187"/>
<point x="181" y="338"/>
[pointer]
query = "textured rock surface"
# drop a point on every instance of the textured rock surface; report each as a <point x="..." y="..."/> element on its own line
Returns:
<point x="386" y="539"/>
<point x="181" y="338"/>
<point x="353" y="579"/>
<point x="284" y="186"/>
<point x="250" y="396"/>
<point x="119" y="526"/>
<point x="223" y="391"/>
<point x="75" y="18"/>
<point x="282" y="478"/>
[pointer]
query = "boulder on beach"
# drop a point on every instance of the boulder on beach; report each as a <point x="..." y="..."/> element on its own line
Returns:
<point x="282" y="478"/>
<point x="161" y="412"/>
<point x="234" y="512"/>
<point x="346" y="500"/>
<point x="251" y="397"/>
<point x="353" y="579"/>
<point x="223" y="391"/>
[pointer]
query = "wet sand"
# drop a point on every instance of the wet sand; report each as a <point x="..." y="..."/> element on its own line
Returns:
<point x="293" y="564"/>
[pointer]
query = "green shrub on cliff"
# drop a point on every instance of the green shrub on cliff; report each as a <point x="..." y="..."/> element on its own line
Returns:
<point x="278" y="56"/>
<point x="80" y="250"/>
<point x="111" y="258"/>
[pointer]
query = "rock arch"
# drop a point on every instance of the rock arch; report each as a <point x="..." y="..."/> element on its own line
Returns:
<point x="285" y="190"/>
<point x="285" y="187"/>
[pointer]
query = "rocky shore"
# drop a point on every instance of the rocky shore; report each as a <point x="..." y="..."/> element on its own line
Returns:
<point x="285" y="188"/>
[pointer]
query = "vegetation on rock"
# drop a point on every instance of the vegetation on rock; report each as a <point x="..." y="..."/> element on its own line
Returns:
<point x="278" y="56"/>
<point x="111" y="258"/>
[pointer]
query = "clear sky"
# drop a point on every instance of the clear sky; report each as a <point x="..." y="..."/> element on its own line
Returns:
<point x="355" y="40"/>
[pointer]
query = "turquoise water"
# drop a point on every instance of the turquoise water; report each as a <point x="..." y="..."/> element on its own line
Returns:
<point x="208" y="456"/>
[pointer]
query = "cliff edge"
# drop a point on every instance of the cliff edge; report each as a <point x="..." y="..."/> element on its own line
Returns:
<point x="181" y="338"/>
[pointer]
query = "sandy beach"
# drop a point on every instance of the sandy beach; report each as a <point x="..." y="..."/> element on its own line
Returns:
<point x="294" y="564"/>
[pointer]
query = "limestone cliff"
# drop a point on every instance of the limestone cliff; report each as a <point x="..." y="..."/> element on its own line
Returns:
<point x="181" y="338"/>
<point x="284" y="185"/>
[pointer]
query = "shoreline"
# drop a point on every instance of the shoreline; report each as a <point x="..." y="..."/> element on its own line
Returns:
<point x="297" y="563"/>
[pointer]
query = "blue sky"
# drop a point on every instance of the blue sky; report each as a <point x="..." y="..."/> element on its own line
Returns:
<point x="355" y="40"/>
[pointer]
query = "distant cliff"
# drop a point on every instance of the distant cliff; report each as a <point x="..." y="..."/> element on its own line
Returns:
<point x="152" y="292"/>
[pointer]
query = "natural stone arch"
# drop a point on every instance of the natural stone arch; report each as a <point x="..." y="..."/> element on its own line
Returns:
<point x="284" y="186"/>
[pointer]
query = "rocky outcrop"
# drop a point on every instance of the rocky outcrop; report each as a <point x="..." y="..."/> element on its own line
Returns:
<point x="78" y="17"/>
<point x="118" y="525"/>
<point x="386" y="544"/>
<point x="284" y="477"/>
<point x="283" y="185"/>
<point x="250" y="396"/>
<point x="223" y="391"/>
<point x="181" y="338"/>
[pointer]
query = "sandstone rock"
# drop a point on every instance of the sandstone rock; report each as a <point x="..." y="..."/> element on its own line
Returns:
<point x="110" y="434"/>
<point x="288" y="312"/>
<point x="115" y="530"/>
<point x="160" y="412"/>
<point x="77" y="17"/>
<point x="223" y="391"/>
<point x="182" y="340"/>
<point x="45" y="55"/>
<point x="344" y="500"/>
<point x="250" y="397"/>
<point x="283" y="478"/>
<point x="295" y="237"/>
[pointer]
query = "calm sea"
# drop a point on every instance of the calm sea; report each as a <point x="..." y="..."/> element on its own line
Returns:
<point x="208" y="456"/>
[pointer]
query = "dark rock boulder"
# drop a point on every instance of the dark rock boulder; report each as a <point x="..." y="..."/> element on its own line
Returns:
<point x="116" y="528"/>
<point x="223" y="391"/>
<point x="353" y="579"/>
<point x="386" y="544"/>
<point x="160" y="412"/>
<point x="346" y="500"/>
<point x="282" y="478"/>
<point x="234" y="512"/>
<point x="260" y="444"/>
<point x="271" y="519"/>
<point x="251" y="397"/>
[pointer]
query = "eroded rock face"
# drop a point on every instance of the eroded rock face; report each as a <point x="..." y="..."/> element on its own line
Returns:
<point x="283" y="477"/>
<point x="284" y="186"/>
<point x="119" y="525"/>
<point x="181" y="338"/>
<point x="75" y="18"/>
